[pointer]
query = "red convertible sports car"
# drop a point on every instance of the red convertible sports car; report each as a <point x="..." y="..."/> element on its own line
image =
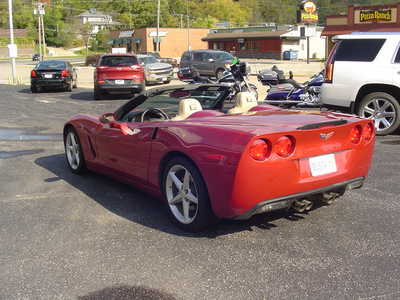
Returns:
<point x="210" y="158"/>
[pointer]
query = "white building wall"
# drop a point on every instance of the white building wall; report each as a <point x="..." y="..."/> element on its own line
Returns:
<point x="317" y="43"/>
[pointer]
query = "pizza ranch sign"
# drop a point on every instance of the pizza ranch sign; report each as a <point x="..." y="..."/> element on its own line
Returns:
<point x="307" y="12"/>
<point x="375" y="16"/>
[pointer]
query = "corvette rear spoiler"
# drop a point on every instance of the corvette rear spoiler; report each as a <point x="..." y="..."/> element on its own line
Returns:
<point x="322" y="124"/>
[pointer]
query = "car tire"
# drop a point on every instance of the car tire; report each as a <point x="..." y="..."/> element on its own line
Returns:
<point x="74" y="152"/>
<point x="384" y="109"/>
<point x="68" y="88"/>
<point x="97" y="94"/>
<point x="219" y="74"/>
<point x="188" y="206"/>
<point x="34" y="89"/>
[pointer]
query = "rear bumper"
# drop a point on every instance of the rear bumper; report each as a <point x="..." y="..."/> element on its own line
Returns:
<point x="253" y="183"/>
<point x="336" y="95"/>
<point x="121" y="88"/>
<point x="50" y="82"/>
<point x="157" y="78"/>
<point x="287" y="201"/>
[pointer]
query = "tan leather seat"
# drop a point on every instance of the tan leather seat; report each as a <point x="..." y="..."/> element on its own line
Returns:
<point x="186" y="108"/>
<point x="244" y="101"/>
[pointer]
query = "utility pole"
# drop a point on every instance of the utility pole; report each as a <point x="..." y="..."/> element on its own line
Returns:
<point x="188" y="25"/>
<point x="43" y="38"/>
<point x="12" y="48"/>
<point x="39" y="11"/>
<point x="158" y="27"/>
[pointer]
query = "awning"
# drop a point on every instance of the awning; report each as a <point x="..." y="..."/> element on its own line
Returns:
<point x="332" y="32"/>
<point x="335" y="32"/>
<point x="243" y="35"/>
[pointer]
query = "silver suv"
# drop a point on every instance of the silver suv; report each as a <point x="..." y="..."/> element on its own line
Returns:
<point x="362" y="76"/>
<point x="155" y="71"/>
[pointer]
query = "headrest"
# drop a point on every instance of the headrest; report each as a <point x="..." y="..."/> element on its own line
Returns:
<point x="244" y="101"/>
<point x="186" y="108"/>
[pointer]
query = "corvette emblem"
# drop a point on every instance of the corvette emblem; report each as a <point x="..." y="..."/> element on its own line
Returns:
<point x="326" y="136"/>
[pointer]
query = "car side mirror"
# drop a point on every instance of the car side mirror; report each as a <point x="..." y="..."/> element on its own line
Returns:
<point x="107" y="118"/>
<point x="211" y="60"/>
<point x="122" y="126"/>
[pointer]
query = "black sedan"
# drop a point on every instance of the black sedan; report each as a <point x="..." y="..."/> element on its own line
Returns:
<point x="53" y="74"/>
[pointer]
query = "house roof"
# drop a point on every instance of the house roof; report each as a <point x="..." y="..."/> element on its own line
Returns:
<point x="93" y="13"/>
<point x="239" y="35"/>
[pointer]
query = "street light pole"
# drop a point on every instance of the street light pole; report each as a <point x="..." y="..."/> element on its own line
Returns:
<point x="158" y="27"/>
<point x="43" y="36"/>
<point x="12" y="47"/>
<point x="187" y="24"/>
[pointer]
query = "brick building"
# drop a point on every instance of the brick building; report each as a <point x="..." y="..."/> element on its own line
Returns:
<point x="267" y="41"/>
<point x="378" y="18"/>
<point x="173" y="41"/>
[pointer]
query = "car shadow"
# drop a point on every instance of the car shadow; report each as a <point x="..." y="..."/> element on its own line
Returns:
<point x="127" y="293"/>
<point x="87" y="95"/>
<point x="139" y="207"/>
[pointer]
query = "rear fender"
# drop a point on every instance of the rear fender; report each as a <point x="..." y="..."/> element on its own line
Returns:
<point x="215" y="153"/>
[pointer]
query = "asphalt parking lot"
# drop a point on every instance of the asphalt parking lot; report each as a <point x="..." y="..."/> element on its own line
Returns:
<point x="64" y="236"/>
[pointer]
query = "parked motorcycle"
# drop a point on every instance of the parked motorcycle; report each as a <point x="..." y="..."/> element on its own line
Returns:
<point x="291" y="93"/>
<point x="273" y="76"/>
<point x="236" y="78"/>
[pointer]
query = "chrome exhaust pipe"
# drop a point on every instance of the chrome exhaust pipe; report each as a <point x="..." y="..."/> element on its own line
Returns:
<point x="329" y="198"/>
<point x="308" y="204"/>
<point x="302" y="205"/>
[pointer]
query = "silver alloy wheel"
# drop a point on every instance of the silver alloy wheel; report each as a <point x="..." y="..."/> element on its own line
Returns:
<point x="382" y="111"/>
<point x="72" y="149"/>
<point x="182" y="194"/>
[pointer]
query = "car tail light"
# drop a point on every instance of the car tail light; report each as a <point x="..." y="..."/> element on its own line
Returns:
<point x="260" y="149"/>
<point x="65" y="73"/>
<point x="33" y="74"/>
<point x="368" y="132"/>
<point x="330" y="63"/>
<point x="329" y="73"/>
<point x="285" y="146"/>
<point x="355" y="134"/>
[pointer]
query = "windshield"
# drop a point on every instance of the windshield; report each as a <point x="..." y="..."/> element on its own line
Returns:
<point x="148" y="60"/>
<point x="53" y="65"/>
<point x="155" y="54"/>
<point x="118" y="61"/>
<point x="223" y="56"/>
<point x="210" y="97"/>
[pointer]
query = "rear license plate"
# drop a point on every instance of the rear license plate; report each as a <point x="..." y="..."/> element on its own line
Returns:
<point x="321" y="165"/>
<point x="48" y="75"/>
<point x="119" y="81"/>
